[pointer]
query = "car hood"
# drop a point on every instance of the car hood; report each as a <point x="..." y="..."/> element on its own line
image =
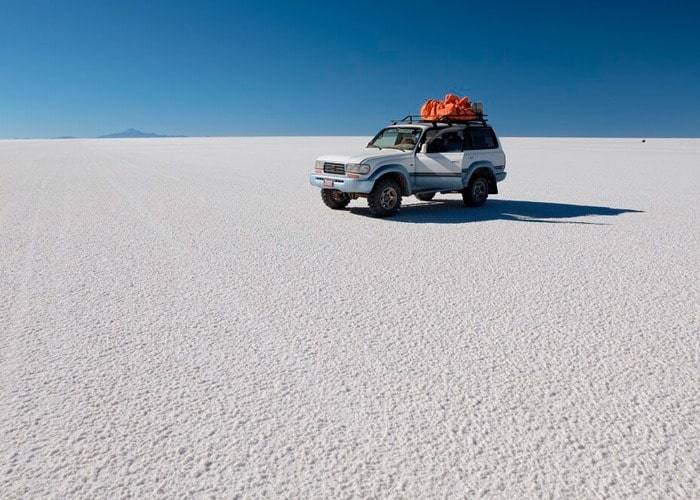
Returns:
<point x="369" y="156"/>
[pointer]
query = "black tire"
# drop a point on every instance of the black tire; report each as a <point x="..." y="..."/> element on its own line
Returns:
<point x="337" y="200"/>
<point x="385" y="198"/>
<point x="425" y="196"/>
<point x="475" y="194"/>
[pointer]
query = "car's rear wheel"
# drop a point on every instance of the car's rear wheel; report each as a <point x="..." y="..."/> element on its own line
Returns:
<point x="335" y="199"/>
<point x="476" y="192"/>
<point x="385" y="198"/>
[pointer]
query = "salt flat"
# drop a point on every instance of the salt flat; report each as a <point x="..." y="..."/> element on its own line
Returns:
<point x="186" y="317"/>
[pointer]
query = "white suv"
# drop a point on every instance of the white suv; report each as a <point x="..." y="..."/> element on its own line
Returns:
<point x="415" y="157"/>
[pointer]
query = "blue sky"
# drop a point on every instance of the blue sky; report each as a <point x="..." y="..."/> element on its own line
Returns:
<point x="198" y="68"/>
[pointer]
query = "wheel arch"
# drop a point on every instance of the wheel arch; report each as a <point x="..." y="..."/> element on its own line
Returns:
<point x="396" y="172"/>
<point x="485" y="169"/>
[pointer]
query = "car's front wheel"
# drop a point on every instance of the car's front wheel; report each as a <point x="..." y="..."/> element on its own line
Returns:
<point x="476" y="192"/>
<point x="385" y="198"/>
<point x="335" y="199"/>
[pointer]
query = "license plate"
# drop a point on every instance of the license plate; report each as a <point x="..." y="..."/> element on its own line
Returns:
<point x="327" y="183"/>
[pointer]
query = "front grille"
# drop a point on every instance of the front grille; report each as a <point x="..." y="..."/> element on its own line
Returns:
<point x="334" y="168"/>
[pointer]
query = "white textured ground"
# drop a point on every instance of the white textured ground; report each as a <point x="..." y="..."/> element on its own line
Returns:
<point x="186" y="317"/>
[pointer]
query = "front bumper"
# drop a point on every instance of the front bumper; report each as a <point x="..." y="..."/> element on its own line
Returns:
<point x="344" y="184"/>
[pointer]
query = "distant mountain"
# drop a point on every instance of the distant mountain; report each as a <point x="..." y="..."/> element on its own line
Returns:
<point x="132" y="133"/>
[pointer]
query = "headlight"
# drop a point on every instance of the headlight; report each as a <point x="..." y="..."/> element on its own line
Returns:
<point x="319" y="164"/>
<point x="357" y="168"/>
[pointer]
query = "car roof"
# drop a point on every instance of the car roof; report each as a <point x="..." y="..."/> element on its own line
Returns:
<point x="440" y="125"/>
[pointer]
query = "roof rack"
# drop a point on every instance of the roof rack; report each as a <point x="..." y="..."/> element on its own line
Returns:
<point x="449" y="120"/>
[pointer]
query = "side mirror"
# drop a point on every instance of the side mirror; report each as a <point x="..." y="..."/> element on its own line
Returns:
<point x="424" y="148"/>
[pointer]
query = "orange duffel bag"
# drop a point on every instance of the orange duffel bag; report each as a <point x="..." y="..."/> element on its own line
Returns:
<point x="452" y="107"/>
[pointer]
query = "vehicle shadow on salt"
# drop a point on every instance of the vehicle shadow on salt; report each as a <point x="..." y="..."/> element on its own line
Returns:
<point x="454" y="212"/>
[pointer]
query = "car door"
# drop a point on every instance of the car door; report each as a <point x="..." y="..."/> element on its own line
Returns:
<point x="439" y="163"/>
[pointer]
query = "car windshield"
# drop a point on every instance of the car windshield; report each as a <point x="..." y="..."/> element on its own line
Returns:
<point x="403" y="138"/>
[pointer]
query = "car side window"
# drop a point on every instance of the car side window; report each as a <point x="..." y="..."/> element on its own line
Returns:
<point x="491" y="141"/>
<point x="454" y="142"/>
<point x="481" y="138"/>
<point x="445" y="141"/>
<point x="468" y="143"/>
<point x="434" y="144"/>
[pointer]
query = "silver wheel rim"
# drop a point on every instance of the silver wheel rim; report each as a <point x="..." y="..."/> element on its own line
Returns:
<point x="388" y="198"/>
<point x="480" y="190"/>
